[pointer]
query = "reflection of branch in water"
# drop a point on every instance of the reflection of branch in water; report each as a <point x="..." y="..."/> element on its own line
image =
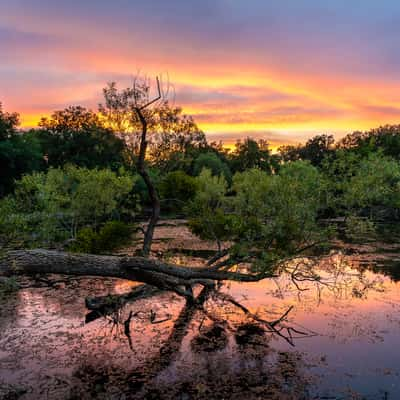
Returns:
<point x="127" y="329"/>
<point x="335" y="273"/>
<point x="106" y="305"/>
<point x="143" y="378"/>
<point x="275" y="327"/>
<point x="170" y="349"/>
<point x="331" y="273"/>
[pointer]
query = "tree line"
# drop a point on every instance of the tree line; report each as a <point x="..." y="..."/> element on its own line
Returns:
<point x="78" y="171"/>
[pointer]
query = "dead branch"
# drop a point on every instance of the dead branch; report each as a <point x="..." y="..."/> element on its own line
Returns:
<point x="275" y="327"/>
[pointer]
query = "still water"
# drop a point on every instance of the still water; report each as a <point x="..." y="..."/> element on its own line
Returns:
<point x="348" y="347"/>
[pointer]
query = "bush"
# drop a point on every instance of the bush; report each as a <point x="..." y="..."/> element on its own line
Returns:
<point x="274" y="213"/>
<point x="212" y="162"/>
<point x="207" y="211"/>
<point x="113" y="235"/>
<point x="52" y="207"/>
<point x="177" y="189"/>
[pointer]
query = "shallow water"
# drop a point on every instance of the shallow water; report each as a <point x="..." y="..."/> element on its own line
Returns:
<point x="351" y="350"/>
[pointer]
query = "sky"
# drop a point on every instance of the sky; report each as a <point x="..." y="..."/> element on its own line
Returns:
<point x="281" y="70"/>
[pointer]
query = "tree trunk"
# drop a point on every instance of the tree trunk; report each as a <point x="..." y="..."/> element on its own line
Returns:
<point x="161" y="275"/>
<point x="155" y="201"/>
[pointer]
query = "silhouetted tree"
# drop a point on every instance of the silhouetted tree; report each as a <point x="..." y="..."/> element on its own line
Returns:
<point x="19" y="153"/>
<point x="385" y="138"/>
<point x="315" y="150"/>
<point x="77" y="136"/>
<point x="172" y="137"/>
<point x="290" y="152"/>
<point x="251" y="154"/>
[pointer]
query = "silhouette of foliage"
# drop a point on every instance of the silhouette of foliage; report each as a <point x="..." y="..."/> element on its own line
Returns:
<point x="77" y="136"/>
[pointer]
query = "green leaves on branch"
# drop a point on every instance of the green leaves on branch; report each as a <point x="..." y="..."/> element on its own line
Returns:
<point x="375" y="182"/>
<point x="263" y="214"/>
<point x="111" y="236"/>
<point x="53" y="206"/>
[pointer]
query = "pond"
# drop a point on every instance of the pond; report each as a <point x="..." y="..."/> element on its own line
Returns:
<point x="345" y="335"/>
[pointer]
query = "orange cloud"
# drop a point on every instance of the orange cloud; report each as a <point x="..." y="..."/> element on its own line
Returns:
<point x="284" y="91"/>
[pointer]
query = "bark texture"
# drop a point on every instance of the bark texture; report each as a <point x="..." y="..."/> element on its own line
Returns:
<point x="161" y="275"/>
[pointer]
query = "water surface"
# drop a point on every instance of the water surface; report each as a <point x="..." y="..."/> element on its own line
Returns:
<point x="350" y="350"/>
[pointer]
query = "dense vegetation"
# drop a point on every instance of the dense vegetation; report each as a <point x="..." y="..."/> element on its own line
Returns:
<point x="65" y="180"/>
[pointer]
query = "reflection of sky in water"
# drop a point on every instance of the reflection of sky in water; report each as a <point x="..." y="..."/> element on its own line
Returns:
<point x="44" y="338"/>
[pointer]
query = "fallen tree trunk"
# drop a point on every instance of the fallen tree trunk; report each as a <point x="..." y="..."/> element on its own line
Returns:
<point x="161" y="275"/>
<point x="154" y="274"/>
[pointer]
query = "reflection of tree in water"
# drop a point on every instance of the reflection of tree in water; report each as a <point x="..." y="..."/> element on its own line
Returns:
<point x="225" y="360"/>
<point x="388" y="267"/>
<point x="214" y="349"/>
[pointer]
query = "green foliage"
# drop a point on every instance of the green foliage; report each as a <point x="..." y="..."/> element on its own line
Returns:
<point x="315" y="150"/>
<point x="385" y="139"/>
<point x="376" y="182"/>
<point x="53" y="206"/>
<point x="208" y="219"/>
<point x="8" y="286"/>
<point x="279" y="211"/>
<point x="176" y="189"/>
<point x="85" y="242"/>
<point x="15" y="225"/>
<point x="8" y="124"/>
<point x="212" y="162"/>
<point x="112" y="235"/>
<point x="271" y="215"/>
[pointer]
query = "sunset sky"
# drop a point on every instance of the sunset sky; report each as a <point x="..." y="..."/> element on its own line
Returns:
<point x="277" y="69"/>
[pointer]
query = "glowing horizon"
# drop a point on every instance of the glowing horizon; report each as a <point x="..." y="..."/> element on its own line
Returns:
<point x="269" y="70"/>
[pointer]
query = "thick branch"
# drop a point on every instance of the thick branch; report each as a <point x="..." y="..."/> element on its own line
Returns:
<point x="161" y="275"/>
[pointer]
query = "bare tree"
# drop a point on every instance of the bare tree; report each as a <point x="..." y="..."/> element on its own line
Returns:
<point x="130" y="113"/>
<point x="155" y="200"/>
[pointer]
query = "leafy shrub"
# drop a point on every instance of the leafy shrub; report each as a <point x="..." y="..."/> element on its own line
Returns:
<point x="176" y="189"/>
<point x="208" y="210"/>
<point x="375" y="182"/>
<point x="212" y="162"/>
<point x="275" y="214"/>
<point x="113" y="235"/>
<point x="54" y="206"/>
<point x="85" y="241"/>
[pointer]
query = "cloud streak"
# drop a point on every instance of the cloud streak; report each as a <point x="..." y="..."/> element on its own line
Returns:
<point x="289" y="69"/>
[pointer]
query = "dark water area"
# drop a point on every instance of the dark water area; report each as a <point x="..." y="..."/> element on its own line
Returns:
<point x="351" y="350"/>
